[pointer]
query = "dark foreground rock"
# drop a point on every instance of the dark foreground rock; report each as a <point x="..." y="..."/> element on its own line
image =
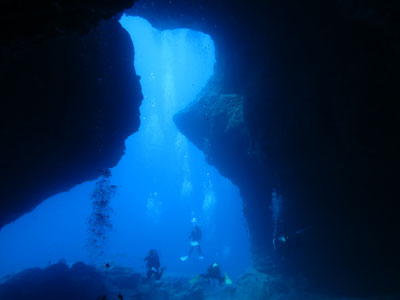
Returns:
<point x="69" y="99"/>
<point x="55" y="282"/>
<point x="23" y="22"/>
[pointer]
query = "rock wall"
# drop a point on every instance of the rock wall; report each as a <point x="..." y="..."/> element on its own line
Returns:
<point x="23" y="22"/>
<point x="316" y="81"/>
<point x="69" y="98"/>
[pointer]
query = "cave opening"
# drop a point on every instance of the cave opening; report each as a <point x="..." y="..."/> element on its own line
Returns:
<point x="158" y="187"/>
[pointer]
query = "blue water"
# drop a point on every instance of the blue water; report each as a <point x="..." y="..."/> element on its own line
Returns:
<point x="162" y="181"/>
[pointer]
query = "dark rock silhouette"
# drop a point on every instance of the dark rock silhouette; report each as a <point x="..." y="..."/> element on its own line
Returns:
<point x="69" y="101"/>
<point x="318" y="84"/>
<point x="24" y="22"/>
<point x="55" y="282"/>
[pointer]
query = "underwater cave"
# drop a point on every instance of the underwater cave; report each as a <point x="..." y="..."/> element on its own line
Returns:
<point x="199" y="150"/>
<point x="160" y="184"/>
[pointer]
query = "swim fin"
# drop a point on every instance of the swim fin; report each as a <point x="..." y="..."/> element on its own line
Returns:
<point x="228" y="281"/>
<point x="183" y="258"/>
<point x="194" y="280"/>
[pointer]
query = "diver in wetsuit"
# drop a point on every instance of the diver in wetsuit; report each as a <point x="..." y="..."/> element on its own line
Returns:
<point x="194" y="239"/>
<point x="214" y="273"/>
<point x="153" y="265"/>
<point x="280" y="242"/>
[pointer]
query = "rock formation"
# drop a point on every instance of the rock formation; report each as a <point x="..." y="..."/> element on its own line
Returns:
<point x="70" y="98"/>
<point x="308" y="90"/>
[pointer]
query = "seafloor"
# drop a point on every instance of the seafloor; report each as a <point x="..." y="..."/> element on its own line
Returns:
<point x="79" y="281"/>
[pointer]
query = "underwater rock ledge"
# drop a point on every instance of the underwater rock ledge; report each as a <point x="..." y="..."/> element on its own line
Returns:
<point x="69" y="101"/>
<point x="317" y="82"/>
<point x="25" y="22"/>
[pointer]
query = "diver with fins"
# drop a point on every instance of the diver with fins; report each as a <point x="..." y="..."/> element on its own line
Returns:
<point x="282" y="241"/>
<point x="153" y="265"/>
<point x="194" y="240"/>
<point x="213" y="274"/>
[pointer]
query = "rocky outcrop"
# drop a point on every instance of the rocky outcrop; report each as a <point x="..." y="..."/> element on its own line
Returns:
<point x="58" y="281"/>
<point x="79" y="281"/>
<point x="24" y="22"/>
<point x="216" y="125"/>
<point x="69" y="99"/>
<point x="317" y="83"/>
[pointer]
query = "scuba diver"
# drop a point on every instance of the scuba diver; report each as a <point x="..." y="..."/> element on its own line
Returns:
<point x="153" y="265"/>
<point x="213" y="274"/>
<point x="194" y="240"/>
<point x="281" y="241"/>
